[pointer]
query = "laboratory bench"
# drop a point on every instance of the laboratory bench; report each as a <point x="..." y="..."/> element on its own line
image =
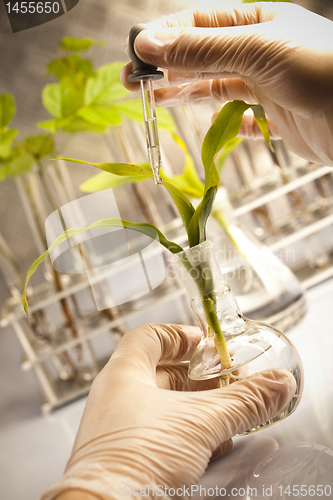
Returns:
<point x="298" y="450"/>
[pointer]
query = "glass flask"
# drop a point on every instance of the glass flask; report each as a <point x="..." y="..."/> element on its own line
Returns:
<point x="253" y="346"/>
<point x="265" y="288"/>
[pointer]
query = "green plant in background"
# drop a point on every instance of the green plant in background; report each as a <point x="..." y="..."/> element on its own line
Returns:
<point x="188" y="182"/>
<point x="83" y="100"/>
<point x="17" y="158"/>
<point x="224" y="130"/>
<point x="86" y="99"/>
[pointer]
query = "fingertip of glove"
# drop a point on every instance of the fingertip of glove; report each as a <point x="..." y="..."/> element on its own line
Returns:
<point x="280" y="379"/>
<point x="150" y="43"/>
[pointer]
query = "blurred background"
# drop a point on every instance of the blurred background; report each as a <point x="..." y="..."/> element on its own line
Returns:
<point x="277" y="199"/>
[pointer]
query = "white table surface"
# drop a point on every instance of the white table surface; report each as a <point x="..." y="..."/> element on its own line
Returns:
<point x="34" y="449"/>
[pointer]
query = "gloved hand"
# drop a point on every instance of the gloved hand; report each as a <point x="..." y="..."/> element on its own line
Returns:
<point x="277" y="54"/>
<point x="139" y="430"/>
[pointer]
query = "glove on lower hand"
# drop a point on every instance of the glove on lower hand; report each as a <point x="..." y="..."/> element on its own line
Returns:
<point x="277" y="54"/>
<point x="141" y="429"/>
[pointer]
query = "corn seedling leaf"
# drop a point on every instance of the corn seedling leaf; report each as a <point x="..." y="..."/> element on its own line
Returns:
<point x="226" y="127"/>
<point x="183" y="204"/>
<point x="260" y="117"/>
<point x="197" y="229"/>
<point x="105" y="180"/>
<point x="189" y="178"/>
<point x="226" y="151"/>
<point x="123" y="169"/>
<point x="141" y="227"/>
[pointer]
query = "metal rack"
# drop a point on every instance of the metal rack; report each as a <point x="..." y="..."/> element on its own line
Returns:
<point x="288" y="204"/>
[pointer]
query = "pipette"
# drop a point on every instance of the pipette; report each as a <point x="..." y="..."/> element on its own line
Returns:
<point x="145" y="74"/>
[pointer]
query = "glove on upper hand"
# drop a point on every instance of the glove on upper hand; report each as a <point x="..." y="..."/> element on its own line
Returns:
<point x="139" y="429"/>
<point x="277" y="54"/>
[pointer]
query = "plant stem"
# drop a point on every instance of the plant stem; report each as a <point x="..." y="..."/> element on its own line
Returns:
<point x="205" y="285"/>
<point x="209" y="305"/>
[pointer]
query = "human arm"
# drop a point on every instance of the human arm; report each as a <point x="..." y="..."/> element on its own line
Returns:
<point x="277" y="54"/>
<point x="141" y="428"/>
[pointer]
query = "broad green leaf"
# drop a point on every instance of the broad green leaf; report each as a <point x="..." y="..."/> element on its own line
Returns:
<point x="6" y="151"/>
<point x="7" y="136"/>
<point x="70" y="66"/>
<point x="62" y="100"/>
<point x="78" y="64"/>
<point x="59" y="68"/>
<point x="7" y="109"/>
<point x="122" y="169"/>
<point x="52" y="99"/>
<point x="260" y="117"/>
<point x="105" y="86"/>
<point x="39" y="145"/>
<point x="197" y="229"/>
<point x="226" y="127"/>
<point x="100" y="115"/>
<point x="53" y="126"/>
<point x="20" y="165"/>
<point x="105" y="180"/>
<point x="2" y="174"/>
<point x="143" y="228"/>
<point x="76" y="44"/>
<point x="226" y="151"/>
<point x="131" y="108"/>
<point x="49" y="125"/>
<point x="79" y="125"/>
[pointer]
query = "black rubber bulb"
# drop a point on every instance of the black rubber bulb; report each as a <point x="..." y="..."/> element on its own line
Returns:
<point x="141" y="70"/>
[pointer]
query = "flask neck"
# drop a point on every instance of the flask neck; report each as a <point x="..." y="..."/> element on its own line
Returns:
<point x="200" y="273"/>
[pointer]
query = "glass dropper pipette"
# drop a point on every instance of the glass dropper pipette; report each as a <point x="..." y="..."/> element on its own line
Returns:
<point x="146" y="74"/>
<point x="153" y="144"/>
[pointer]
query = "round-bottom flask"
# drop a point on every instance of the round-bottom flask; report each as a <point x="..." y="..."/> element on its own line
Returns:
<point x="253" y="346"/>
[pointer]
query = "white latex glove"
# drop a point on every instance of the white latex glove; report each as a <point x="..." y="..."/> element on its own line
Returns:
<point x="277" y="54"/>
<point x="139" y="430"/>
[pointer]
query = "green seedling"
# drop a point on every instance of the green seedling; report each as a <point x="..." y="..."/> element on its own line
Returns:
<point x="224" y="129"/>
